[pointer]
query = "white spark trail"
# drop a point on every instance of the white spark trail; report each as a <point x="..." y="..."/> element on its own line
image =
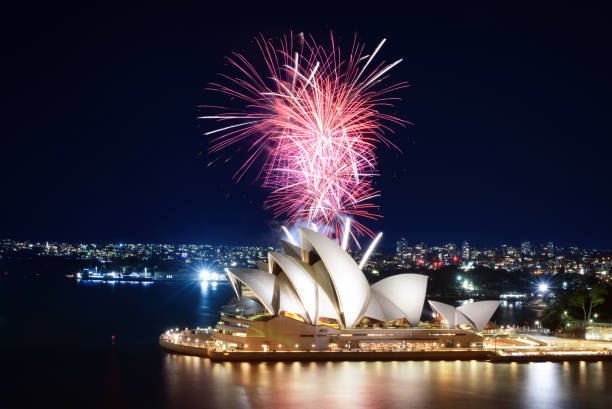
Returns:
<point x="222" y="117"/>
<point x="295" y="69"/>
<point x="230" y="127"/>
<point x="369" y="250"/>
<point x="382" y="72"/>
<point x="316" y="67"/>
<point x="370" y="59"/>
<point x="345" y="235"/>
<point x="289" y="236"/>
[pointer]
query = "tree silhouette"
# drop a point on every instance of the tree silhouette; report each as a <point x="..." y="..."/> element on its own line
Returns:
<point x="586" y="299"/>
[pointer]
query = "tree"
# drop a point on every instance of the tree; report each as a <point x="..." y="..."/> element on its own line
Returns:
<point x="557" y="315"/>
<point x="586" y="299"/>
<point x="552" y="320"/>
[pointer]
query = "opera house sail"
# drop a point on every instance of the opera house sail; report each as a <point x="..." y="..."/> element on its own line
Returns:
<point x="315" y="297"/>
<point x="476" y="314"/>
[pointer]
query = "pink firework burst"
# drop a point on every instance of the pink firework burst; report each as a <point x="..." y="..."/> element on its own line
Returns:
<point x="314" y="118"/>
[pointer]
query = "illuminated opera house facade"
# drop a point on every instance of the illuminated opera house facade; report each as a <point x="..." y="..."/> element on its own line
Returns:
<point x="315" y="297"/>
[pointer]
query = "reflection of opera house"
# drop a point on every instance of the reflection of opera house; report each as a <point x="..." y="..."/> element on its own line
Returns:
<point x="315" y="297"/>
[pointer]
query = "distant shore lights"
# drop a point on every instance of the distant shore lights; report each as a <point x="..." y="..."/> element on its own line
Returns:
<point x="206" y="275"/>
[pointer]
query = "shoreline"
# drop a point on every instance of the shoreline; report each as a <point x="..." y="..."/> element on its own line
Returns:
<point x="335" y="356"/>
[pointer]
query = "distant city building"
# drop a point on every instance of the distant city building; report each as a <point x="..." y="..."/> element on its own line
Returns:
<point x="420" y="251"/>
<point x="401" y="247"/>
<point x="404" y="252"/>
<point x="549" y="249"/>
<point x="526" y="248"/>
<point x="465" y="250"/>
<point x="537" y="259"/>
<point x="449" y="253"/>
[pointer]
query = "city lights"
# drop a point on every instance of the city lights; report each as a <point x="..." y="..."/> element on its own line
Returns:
<point x="210" y="259"/>
<point x="206" y="275"/>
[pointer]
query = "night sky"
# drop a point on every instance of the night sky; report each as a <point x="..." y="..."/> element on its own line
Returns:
<point x="511" y="135"/>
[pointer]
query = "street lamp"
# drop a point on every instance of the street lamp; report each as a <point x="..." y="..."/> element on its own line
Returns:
<point x="495" y="341"/>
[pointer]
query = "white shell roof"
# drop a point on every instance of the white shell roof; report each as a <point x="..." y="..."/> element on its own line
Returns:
<point x="291" y="250"/>
<point x="259" y="281"/>
<point x="446" y="311"/>
<point x="330" y="285"/>
<point x="374" y="309"/>
<point x="389" y="309"/>
<point x="479" y="312"/>
<point x="300" y="278"/>
<point x="406" y="292"/>
<point x="462" y="319"/>
<point x="476" y="314"/>
<point x="326" y="308"/>
<point x="321" y="276"/>
<point x="288" y="300"/>
<point x="351" y="287"/>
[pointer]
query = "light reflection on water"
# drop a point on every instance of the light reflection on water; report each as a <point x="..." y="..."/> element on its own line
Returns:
<point x="138" y="374"/>
<point x="196" y="382"/>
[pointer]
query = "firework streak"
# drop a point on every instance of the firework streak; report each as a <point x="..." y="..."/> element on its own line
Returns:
<point x="313" y="120"/>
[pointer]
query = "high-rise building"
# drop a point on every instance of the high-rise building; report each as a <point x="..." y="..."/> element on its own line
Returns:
<point x="404" y="252"/>
<point x="549" y="249"/>
<point x="526" y="248"/>
<point x="448" y="253"/>
<point x="401" y="247"/>
<point x="465" y="250"/>
<point x="420" y="251"/>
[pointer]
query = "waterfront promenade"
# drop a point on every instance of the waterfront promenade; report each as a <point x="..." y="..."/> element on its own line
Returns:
<point x="199" y="344"/>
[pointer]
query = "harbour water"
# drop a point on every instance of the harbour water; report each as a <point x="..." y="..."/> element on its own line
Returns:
<point x="58" y="352"/>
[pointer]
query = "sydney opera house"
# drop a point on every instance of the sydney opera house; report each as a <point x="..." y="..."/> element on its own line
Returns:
<point x="315" y="297"/>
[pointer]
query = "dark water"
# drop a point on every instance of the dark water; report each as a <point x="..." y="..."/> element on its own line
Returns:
<point x="56" y="353"/>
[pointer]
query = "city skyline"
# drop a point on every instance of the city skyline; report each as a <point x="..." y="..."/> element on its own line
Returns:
<point x="390" y="244"/>
<point x="532" y="258"/>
